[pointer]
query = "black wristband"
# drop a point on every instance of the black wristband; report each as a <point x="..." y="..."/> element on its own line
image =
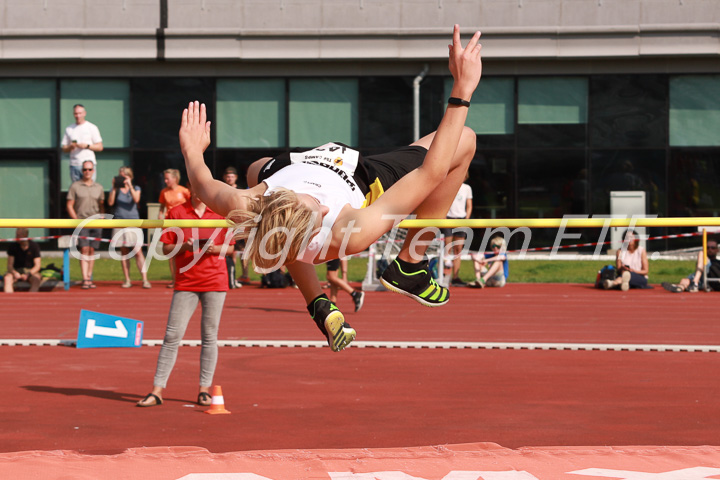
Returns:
<point x="458" y="101"/>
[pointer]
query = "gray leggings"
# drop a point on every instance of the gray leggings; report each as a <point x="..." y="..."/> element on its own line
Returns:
<point x="181" y="309"/>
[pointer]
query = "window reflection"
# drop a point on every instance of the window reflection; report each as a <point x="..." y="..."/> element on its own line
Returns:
<point x="548" y="181"/>
<point x="627" y="170"/>
<point x="157" y="104"/>
<point x="694" y="183"/>
<point x="628" y="110"/>
<point x="386" y="116"/>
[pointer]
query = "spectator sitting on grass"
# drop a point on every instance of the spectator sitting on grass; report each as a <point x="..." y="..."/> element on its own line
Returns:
<point x="496" y="274"/>
<point x="632" y="265"/>
<point x="712" y="269"/>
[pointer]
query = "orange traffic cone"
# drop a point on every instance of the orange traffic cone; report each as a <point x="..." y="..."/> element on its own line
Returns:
<point x="218" y="402"/>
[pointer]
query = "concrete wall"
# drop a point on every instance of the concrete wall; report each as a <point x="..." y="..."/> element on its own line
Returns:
<point x="352" y="30"/>
<point x="329" y="16"/>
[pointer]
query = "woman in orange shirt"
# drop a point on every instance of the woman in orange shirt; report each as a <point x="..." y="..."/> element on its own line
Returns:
<point x="173" y="194"/>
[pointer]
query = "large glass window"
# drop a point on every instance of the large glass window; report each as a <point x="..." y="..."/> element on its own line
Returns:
<point x="250" y="113"/>
<point x="490" y="176"/>
<point x="628" y="111"/>
<point x="552" y="111"/>
<point x="628" y="170"/>
<point x="694" y="183"/>
<point x="107" y="103"/>
<point x="493" y="106"/>
<point x="323" y="110"/>
<point x="148" y="167"/>
<point x="551" y="184"/>
<point x="559" y="100"/>
<point x="157" y="104"/>
<point x="386" y="117"/>
<point x="28" y="117"/>
<point x="24" y="187"/>
<point x="695" y="110"/>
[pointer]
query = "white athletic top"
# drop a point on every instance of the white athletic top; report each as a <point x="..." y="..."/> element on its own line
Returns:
<point x="325" y="173"/>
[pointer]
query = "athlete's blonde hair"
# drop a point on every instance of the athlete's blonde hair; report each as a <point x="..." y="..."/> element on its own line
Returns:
<point x="276" y="227"/>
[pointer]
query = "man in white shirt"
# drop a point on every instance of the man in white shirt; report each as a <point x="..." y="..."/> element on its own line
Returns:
<point x="82" y="139"/>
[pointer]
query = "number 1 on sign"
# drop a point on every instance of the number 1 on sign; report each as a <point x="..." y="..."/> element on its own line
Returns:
<point x="118" y="331"/>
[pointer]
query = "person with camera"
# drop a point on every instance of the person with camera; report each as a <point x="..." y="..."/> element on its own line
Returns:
<point x="125" y="197"/>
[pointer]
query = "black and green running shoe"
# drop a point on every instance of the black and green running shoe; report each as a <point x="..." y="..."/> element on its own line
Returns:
<point x="331" y="323"/>
<point x="415" y="281"/>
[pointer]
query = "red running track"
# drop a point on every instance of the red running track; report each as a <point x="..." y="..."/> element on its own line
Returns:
<point x="517" y="313"/>
<point x="62" y="398"/>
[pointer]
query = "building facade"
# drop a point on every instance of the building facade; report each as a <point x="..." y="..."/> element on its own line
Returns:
<point x="579" y="98"/>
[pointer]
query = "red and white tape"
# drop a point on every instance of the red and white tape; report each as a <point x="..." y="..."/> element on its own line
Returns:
<point x="593" y="244"/>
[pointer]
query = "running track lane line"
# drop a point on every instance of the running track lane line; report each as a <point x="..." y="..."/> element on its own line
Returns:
<point x="619" y="347"/>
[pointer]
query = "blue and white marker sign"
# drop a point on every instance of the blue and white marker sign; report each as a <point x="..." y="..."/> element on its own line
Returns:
<point x="99" y="330"/>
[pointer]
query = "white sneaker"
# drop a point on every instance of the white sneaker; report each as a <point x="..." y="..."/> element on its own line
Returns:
<point x="625" y="285"/>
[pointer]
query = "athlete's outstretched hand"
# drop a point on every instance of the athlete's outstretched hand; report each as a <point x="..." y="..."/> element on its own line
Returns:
<point x="194" y="129"/>
<point x="465" y="64"/>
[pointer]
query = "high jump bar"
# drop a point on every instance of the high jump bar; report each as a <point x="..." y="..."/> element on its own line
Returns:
<point x="595" y="222"/>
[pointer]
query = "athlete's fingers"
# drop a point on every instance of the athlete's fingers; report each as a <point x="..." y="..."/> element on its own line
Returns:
<point x="184" y="121"/>
<point x="191" y="114"/>
<point x="203" y="114"/>
<point x="207" y="128"/>
<point x="477" y="50"/>
<point x="456" y="36"/>
<point x="473" y="41"/>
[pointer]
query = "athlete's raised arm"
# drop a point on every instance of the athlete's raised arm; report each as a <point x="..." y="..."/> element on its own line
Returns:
<point x="194" y="139"/>
<point x="409" y="192"/>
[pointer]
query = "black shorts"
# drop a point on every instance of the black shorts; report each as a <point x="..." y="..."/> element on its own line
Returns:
<point x="385" y="168"/>
<point x="333" y="265"/>
<point x="392" y="166"/>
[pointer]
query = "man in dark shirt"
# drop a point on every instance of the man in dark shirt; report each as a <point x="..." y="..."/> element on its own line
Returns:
<point x="23" y="262"/>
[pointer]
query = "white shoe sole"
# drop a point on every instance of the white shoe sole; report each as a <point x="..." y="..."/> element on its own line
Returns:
<point x="340" y="335"/>
<point x="625" y="285"/>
